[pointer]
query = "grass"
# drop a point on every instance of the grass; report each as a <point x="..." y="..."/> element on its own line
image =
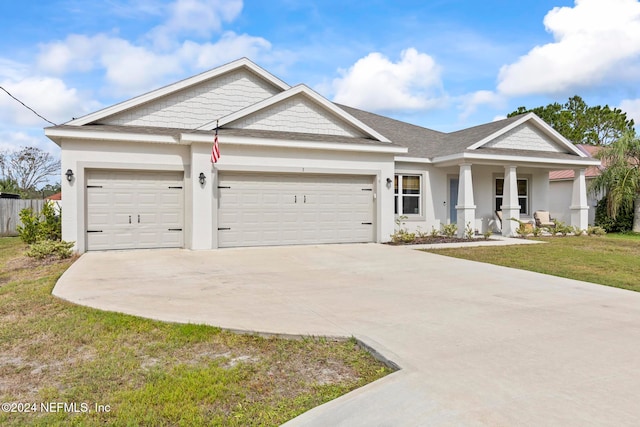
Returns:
<point x="147" y="372"/>
<point x="613" y="260"/>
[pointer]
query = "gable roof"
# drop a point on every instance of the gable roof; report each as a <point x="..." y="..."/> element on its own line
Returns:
<point x="486" y="142"/>
<point x="431" y="144"/>
<point x="305" y="91"/>
<point x="180" y="85"/>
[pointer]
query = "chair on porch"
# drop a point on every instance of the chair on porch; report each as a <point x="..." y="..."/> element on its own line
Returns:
<point x="543" y="219"/>
<point x="498" y="219"/>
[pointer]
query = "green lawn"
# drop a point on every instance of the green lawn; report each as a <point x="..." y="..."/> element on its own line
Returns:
<point x="613" y="260"/>
<point x="148" y="372"/>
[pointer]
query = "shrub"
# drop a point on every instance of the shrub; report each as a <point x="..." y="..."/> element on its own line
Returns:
<point x="524" y="228"/>
<point x="55" y="249"/>
<point x="561" y="228"/>
<point x="596" y="231"/>
<point x="401" y="235"/>
<point x="434" y="232"/>
<point x="30" y="228"/>
<point x="51" y="224"/>
<point x="487" y="234"/>
<point x="468" y="231"/>
<point x="449" y="230"/>
<point x="420" y="234"/>
<point x="45" y="226"/>
<point x="537" y="231"/>
<point x="623" y="221"/>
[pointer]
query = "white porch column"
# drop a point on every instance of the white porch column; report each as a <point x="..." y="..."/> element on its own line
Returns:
<point x="466" y="207"/>
<point x="510" y="207"/>
<point x="579" y="206"/>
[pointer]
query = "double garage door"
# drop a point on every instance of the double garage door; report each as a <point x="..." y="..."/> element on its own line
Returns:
<point x="286" y="209"/>
<point x="134" y="209"/>
<point x="140" y="209"/>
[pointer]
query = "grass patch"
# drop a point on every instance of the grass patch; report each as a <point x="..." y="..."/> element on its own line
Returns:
<point x="612" y="260"/>
<point x="149" y="372"/>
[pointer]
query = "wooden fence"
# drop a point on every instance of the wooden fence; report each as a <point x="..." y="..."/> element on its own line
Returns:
<point x="10" y="213"/>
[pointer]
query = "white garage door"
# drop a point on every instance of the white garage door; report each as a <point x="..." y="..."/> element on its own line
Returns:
<point x="280" y="209"/>
<point x="134" y="209"/>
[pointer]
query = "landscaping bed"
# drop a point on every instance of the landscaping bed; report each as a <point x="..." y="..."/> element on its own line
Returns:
<point x="431" y="240"/>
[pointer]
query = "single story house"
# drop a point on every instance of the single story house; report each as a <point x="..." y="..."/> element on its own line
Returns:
<point x="560" y="188"/>
<point x="295" y="168"/>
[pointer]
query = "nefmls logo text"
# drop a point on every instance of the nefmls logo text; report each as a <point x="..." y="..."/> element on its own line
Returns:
<point x="73" y="407"/>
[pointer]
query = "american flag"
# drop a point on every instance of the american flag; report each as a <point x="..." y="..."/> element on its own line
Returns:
<point x="215" y="150"/>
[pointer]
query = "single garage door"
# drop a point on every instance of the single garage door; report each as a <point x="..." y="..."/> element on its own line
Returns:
<point x="134" y="209"/>
<point x="288" y="209"/>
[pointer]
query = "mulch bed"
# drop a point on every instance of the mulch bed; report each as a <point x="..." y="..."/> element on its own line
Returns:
<point x="438" y="239"/>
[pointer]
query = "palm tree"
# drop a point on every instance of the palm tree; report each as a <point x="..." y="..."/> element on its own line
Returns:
<point x="620" y="178"/>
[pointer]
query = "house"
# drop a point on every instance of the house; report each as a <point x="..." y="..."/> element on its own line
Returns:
<point x="56" y="200"/>
<point x="295" y="169"/>
<point x="560" y="188"/>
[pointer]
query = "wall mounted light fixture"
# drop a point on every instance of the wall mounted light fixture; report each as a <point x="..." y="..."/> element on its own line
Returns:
<point x="69" y="175"/>
<point x="389" y="181"/>
<point x="202" y="178"/>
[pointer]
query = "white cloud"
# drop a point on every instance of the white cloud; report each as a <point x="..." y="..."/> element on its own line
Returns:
<point x="49" y="96"/>
<point x="132" y="68"/>
<point x="632" y="108"/>
<point x="11" y="140"/>
<point x="229" y="47"/>
<point x="471" y="102"/>
<point x="199" y="18"/>
<point x="594" y="42"/>
<point x="375" y="83"/>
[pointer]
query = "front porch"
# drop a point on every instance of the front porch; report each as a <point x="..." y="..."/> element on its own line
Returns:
<point x="478" y="191"/>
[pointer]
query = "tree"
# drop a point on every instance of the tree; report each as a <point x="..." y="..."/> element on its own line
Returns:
<point x="7" y="185"/>
<point x="582" y="124"/>
<point x="620" y="178"/>
<point x="28" y="167"/>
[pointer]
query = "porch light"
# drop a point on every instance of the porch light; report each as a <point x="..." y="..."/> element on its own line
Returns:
<point x="69" y="175"/>
<point x="202" y="178"/>
<point x="389" y="181"/>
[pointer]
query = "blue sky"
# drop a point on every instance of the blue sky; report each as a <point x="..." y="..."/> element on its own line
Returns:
<point x="442" y="64"/>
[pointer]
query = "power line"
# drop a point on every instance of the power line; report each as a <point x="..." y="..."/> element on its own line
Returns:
<point x="26" y="106"/>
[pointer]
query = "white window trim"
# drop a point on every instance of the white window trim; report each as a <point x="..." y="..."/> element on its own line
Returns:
<point x="526" y="178"/>
<point x="398" y="197"/>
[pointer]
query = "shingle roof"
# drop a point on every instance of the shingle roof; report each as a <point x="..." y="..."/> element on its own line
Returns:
<point x="428" y="143"/>
<point x="420" y="141"/>
<point x="590" y="172"/>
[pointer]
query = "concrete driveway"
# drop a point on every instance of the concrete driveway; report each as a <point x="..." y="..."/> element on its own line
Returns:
<point x="477" y="344"/>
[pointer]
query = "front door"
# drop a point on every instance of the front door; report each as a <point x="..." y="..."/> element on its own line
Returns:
<point x="453" y="200"/>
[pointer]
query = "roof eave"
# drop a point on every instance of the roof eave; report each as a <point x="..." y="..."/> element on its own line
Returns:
<point x="305" y="145"/>
<point x="455" y="159"/>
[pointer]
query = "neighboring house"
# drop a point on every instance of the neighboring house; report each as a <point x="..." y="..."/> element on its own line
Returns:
<point x="561" y="188"/>
<point x="295" y="169"/>
<point x="56" y="199"/>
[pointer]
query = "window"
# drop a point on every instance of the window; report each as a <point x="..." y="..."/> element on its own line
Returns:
<point x="523" y="194"/>
<point x="406" y="189"/>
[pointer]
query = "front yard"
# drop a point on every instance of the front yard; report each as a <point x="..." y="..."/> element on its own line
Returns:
<point x="612" y="260"/>
<point x="62" y="364"/>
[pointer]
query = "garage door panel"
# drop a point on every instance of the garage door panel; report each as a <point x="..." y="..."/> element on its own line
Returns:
<point x="134" y="209"/>
<point x="278" y="209"/>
